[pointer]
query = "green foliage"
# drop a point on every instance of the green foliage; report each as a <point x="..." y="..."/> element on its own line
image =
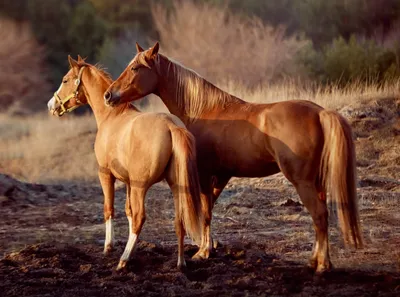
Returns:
<point x="123" y="15"/>
<point x="86" y="31"/>
<point x="349" y="61"/>
<point x="116" y="52"/>
<point x="65" y="29"/>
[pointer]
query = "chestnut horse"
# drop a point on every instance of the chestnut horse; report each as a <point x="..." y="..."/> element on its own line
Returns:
<point x="313" y="147"/>
<point x="139" y="149"/>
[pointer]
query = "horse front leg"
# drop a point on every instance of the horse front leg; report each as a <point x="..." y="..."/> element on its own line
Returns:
<point x="211" y="188"/>
<point x="219" y="183"/>
<point x="107" y="181"/>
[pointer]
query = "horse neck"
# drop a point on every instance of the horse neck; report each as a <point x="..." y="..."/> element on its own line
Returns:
<point x="209" y="97"/>
<point x="95" y="87"/>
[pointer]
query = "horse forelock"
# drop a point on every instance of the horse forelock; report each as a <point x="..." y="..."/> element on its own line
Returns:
<point x="98" y="69"/>
<point x="140" y="58"/>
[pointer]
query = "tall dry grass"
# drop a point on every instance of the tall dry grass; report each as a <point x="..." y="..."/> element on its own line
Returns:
<point x="47" y="149"/>
<point x="22" y="77"/>
<point x="44" y="148"/>
<point x="223" y="46"/>
<point x="331" y="97"/>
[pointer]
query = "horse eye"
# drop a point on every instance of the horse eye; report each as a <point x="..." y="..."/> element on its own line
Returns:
<point x="65" y="81"/>
<point x="134" y="69"/>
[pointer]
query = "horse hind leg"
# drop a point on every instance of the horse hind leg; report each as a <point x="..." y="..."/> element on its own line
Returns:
<point x="211" y="189"/>
<point x="206" y="243"/>
<point x="179" y="228"/>
<point x="316" y="204"/>
<point x="136" y="217"/>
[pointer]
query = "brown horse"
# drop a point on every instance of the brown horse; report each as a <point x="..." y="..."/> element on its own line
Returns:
<point x="312" y="147"/>
<point x="139" y="149"/>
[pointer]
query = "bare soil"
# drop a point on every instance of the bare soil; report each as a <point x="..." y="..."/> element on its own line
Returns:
<point x="51" y="236"/>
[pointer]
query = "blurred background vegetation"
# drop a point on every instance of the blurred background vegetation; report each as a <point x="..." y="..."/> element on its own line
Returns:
<point x="252" y="42"/>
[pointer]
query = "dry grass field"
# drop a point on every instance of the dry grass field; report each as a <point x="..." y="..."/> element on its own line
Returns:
<point x="51" y="225"/>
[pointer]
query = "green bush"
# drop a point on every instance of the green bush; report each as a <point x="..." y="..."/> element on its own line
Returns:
<point x="66" y="29"/>
<point x="345" y="62"/>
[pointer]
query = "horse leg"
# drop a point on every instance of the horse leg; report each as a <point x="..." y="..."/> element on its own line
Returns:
<point x="206" y="201"/>
<point x="136" y="220"/>
<point x="211" y="188"/>
<point x="179" y="229"/>
<point x="180" y="233"/>
<point x="219" y="183"/>
<point x="314" y="203"/>
<point x="107" y="184"/>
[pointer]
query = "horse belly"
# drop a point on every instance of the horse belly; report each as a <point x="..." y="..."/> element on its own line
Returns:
<point x="119" y="170"/>
<point x="247" y="162"/>
<point x="254" y="168"/>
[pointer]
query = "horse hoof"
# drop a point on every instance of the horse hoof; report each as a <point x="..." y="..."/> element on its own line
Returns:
<point x="313" y="263"/>
<point x="323" y="268"/>
<point x="121" y="265"/>
<point x="216" y="244"/>
<point x="182" y="266"/>
<point x="200" y="255"/>
<point x="197" y="257"/>
<point x="107" y="250"/>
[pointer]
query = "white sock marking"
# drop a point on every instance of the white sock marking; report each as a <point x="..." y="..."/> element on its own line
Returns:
<point x="109" y="233"/>
<point x="130" y="244"/>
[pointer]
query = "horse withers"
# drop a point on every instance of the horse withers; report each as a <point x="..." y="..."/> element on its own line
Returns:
<point x="139" y="149"/>
<point x="311" y="146"/>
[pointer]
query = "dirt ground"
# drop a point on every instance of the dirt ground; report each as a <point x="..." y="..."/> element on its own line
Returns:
<point x="51" y="236"/>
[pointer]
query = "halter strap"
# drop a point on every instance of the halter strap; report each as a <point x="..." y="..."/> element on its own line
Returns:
<point x="70" y="96"/>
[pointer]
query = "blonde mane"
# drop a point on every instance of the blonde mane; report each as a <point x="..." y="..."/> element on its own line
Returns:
<point x="193" y="94"/>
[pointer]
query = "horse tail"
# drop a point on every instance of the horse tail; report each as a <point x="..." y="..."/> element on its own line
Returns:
<point x="184" y="152"/>
<point x="338" y="173"/>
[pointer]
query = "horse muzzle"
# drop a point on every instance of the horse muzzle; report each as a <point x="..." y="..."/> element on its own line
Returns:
<point x="111" y="99"/>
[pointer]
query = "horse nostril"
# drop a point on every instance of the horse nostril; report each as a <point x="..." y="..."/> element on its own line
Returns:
<point x="107" y="96"/>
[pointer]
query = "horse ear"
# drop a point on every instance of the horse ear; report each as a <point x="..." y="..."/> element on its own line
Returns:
<point x="139" y="49"/>
<point x="72" y="62"/>
<point x="80" y="59"/>
<point x="153" y="51"/>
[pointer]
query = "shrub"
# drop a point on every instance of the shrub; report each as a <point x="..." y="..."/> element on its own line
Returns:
<point x="357" y="60"/>
<point x="223" y="46"/>
<point x="65" y="27"/>
<point x="22" y="77"/>
<point x="116" y="52"/>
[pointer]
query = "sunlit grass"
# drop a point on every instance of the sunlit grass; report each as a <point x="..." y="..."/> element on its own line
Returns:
<point x="332" y="97"/>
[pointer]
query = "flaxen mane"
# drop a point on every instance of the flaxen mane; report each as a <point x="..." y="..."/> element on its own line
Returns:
<point x="193" y="93"/>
